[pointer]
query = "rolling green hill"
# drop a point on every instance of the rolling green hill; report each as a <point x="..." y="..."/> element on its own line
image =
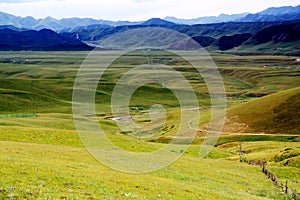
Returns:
<point x="275" y="113"/>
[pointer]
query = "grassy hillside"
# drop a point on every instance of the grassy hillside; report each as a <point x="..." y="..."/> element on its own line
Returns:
<point x="270" y="47"/>
<point x="60" y="172"/>
<point x="275" y="113"/>
<point x="43" y="158"/>
<point x="278" y="155"/>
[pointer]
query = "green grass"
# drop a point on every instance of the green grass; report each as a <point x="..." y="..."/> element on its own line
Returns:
<point x="274" y="48"/>
<point x="42" y="156"/>
<point x="275" y="113"/>
<point x="57" y="172"/>
<point x="282" y="158"/>
<point x="256" y="138"/>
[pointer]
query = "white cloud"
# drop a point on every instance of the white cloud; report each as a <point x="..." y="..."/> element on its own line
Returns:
<point x="14" y="1"/>
<point x="21" y="1"/>
<point x="141" y="1"/>
<point x="135" y="9"/>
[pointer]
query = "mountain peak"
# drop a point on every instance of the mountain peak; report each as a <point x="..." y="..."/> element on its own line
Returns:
<point x="157" y="21"/>
<point x="50" y="18"/>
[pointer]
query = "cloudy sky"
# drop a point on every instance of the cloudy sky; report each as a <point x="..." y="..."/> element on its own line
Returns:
<point x="136" y="10"/>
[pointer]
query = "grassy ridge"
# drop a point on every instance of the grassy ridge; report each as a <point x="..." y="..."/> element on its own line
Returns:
<point x="275" y="113"/>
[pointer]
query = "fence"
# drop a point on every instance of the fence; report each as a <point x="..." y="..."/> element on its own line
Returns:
<point x="284" y="188"/>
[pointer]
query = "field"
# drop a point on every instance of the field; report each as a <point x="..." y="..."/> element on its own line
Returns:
<point x="43" y="157"/>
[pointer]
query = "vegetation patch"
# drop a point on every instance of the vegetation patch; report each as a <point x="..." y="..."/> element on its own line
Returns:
<point x="9" y="116"/>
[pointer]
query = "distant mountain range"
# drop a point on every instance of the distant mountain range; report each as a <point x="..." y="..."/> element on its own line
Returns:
<point x="267" y="37"/>
<point x="285" y="13"/>
<point x="199" y="31"/>
<point x="272" y="30"/>
<point x="258" y="36"/>
<point x="208" y="20"/>
<point x="54" y="24"/>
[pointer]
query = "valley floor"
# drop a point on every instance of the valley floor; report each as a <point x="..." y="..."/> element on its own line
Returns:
<point x="42" y="156"/>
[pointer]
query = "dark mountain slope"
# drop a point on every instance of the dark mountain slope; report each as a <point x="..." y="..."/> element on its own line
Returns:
<point x="229" y="42"/>
<point x="230" y="28"/>
<point x="204" y="41"/>
<point x="12" y="28"/>
<point x="43" y="40"/>
<point x="210" y="30"/>
<point x="279" y="33"/>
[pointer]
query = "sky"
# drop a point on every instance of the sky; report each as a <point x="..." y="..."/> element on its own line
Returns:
<point x="136" y="10"/>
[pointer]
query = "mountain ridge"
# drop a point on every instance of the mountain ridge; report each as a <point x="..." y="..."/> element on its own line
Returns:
<point x="207" y="20"/>
<point x="267" y="29"/>
<point x="55" y="24"/>
<point x="271" y="14"/>
<point x="283" y="13"/>
<point x="222" y="37"/>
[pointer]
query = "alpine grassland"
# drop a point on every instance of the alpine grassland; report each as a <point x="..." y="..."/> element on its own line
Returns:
<point x="43" y="157"/>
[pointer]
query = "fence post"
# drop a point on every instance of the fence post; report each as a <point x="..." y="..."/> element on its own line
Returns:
<point x="263" y="167"/>
<point x="241" y="153"/>
<point x="286" y="187"/>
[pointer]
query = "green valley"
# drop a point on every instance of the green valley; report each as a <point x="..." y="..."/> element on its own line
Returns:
<point x="42" y="156"/>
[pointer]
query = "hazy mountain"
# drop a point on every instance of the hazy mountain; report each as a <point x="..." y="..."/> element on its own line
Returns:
<point x="286" y="13"/>
<point x="271" y="18"/>
<point x="158" y="21"/>
<point x="207" y="20"/>
<point x="12" y="28"/>
<point x="55" y="24"/>
<point x="280" y="10"/>
<point x="43" y="40"/>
